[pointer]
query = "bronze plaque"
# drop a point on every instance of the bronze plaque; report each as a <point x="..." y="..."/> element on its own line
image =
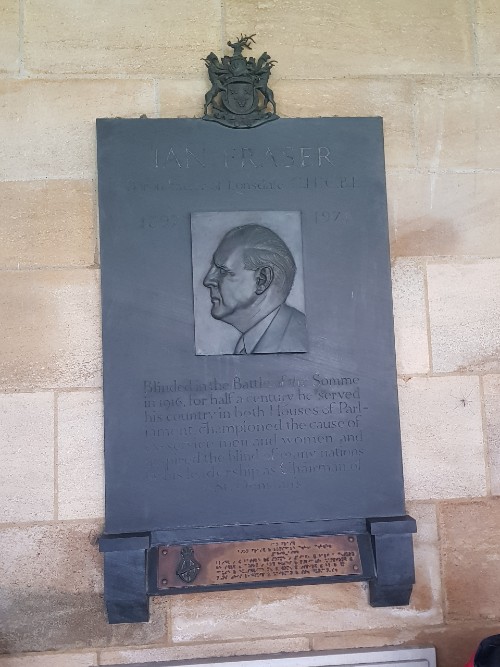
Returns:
<point x="219" y="564"/>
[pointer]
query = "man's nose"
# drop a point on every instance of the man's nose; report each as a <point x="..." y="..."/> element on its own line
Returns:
<point x="209" y="280"/>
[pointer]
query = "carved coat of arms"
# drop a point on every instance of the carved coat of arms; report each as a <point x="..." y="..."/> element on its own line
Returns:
<point x="188" y="567"/>
<point x="240" y="94"/>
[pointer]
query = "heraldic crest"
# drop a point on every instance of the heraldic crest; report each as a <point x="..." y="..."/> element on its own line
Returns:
<point x="239" y="95"/>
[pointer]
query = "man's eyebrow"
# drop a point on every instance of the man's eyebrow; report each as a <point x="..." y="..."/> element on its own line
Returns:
<point x="220" y="266"/>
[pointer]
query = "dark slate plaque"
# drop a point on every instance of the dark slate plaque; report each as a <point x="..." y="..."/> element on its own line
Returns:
<point x="206" y="439"/>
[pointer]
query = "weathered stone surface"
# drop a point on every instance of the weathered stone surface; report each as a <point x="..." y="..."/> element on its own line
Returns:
<point x="455" y="643"/>
<point x="47" y="128"/>
<point x="200" y="651"/>
<point x="486" y="28"/>
<point x="27" y="468"/>
<point x="410" y="319"/>
<point x="371" y="38"/>
<point x="391" y="99"/>
<point x="425" y="515"/>
<point x="292" y="611"/>
<point x="51" y="592"/>
<point x="360" y="639"/>
<point x="491" y="392"/>
<point x="470" y="554"/>
<point x="49" y="329"/>
<point x="441" y="431"/>
<point x="101" y="38"/>
<point x="80" y="455"/>
<point x="444" y="214"/>
<point x="50" y="660"/>
<point x="183" y="99"/>
<point x="9" y="36"/>
<point x="457" y="122"/>
<point x="464" y="307"/>
<point x="47" y="223"/>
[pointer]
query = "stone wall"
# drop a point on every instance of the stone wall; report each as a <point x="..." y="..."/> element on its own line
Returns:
<point x="431" y="68"/>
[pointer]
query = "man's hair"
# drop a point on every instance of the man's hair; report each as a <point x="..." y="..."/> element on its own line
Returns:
<point x="262" y="247"/>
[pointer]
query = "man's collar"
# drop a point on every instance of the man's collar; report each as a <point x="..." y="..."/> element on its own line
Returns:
<point x="250" y="338"/>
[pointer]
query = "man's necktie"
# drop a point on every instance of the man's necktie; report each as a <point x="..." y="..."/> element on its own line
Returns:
<point x="240" y="346"/>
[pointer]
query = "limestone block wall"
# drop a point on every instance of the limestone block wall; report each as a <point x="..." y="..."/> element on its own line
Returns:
<point x="431" y="68"/>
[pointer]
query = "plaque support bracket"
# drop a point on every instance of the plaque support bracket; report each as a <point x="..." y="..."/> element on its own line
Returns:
<point x="393" y="553"/>
<point x="385" y="549"/>
<point x="125" y="577"/>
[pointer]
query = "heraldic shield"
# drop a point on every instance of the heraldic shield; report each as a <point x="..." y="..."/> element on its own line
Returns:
<point x="240" y="94"/>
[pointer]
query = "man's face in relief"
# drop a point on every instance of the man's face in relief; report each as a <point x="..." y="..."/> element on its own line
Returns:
<point x="232" y="287"/>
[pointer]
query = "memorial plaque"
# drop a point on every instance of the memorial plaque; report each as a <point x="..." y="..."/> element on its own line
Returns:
<point x="249" y="369"/>
<point x="203" y="435"/>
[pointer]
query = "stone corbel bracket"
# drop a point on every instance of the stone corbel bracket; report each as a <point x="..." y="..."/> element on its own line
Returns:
<point x="125" y="577"/>
<point x="392" y="545"/>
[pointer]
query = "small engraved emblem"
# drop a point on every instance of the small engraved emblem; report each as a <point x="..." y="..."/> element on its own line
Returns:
<point x="188" y="567"/>
<point x="240" y="94"/>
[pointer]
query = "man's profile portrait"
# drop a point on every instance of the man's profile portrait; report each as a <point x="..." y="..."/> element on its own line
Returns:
<point x="247" y="283"/>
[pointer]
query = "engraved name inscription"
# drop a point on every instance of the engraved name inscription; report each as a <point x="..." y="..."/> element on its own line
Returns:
<point x="307" y="183"/>
<point x="184" y="157"/>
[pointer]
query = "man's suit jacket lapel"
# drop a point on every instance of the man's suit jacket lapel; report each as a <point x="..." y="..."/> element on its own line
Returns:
<point x="271" y="340"/>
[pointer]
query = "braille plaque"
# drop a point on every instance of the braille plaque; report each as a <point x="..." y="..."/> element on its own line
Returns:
<point x="263" y="560"/>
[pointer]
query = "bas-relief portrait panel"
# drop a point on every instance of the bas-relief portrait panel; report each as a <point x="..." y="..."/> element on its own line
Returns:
<point x="248" y="282"/>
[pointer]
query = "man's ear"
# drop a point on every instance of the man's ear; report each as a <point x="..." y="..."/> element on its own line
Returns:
<point x="264" y="277"/>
